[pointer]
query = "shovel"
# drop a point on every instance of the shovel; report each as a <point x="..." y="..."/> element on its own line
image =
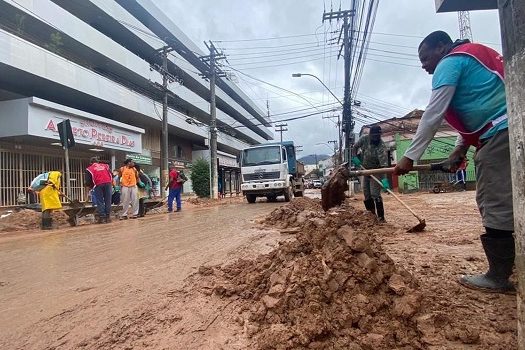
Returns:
<point x="332" y="192"/>
<point x="422" y="224"/>
<point x="74" y="203"/>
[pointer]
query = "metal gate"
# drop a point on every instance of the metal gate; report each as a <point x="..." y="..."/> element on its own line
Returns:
<point x="17" y="170"/>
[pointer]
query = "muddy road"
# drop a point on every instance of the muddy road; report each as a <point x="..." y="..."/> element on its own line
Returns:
<point x="150" y="283"/>
<point x="115" y="266"/>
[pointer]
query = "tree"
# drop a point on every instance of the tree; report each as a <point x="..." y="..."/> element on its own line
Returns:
<point x="200" y="177"/>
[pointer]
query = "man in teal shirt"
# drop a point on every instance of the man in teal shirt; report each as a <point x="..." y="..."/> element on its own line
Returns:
<point x="468" y="91"/>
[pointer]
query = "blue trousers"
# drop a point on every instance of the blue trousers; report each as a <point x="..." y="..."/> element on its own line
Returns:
<point x="174" y="194"/>
<point x="103" y="198"/>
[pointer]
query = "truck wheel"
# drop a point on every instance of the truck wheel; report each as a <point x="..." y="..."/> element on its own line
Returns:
<point x="298" y="194"/>
<point x="251" y="198"/>
<point x="288" y="194"/>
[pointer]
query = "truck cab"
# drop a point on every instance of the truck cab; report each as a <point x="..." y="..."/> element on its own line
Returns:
<point x="271" y="170"/>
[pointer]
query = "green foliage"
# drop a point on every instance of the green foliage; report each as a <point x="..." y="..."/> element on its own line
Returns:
<point x="200" y="177"/>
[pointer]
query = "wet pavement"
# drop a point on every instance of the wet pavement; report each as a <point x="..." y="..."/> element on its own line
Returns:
<point x="116" y="265"/>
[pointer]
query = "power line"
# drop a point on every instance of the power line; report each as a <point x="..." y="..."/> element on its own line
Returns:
<point x="316" y="51"/>
<point x="317" y="59"/>
<point x="272" y="85"/>
<point x="267" y="38"/>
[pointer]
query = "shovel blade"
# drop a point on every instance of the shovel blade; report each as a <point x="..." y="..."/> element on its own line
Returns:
<point x="333" y="190"/>
<point x="418" y="228"/>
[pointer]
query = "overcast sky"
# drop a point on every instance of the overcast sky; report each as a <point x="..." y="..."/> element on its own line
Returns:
<point x="386" y="89"/>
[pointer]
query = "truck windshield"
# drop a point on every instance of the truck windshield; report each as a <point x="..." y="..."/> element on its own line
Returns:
<point x="261" y="156"/>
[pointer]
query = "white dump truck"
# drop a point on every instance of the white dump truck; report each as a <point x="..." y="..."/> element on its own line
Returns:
<point x="271" y="170"/>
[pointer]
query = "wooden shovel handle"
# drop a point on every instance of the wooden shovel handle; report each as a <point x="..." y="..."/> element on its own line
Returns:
<point x="427" y="167"/>
<point x="398" y="199"/>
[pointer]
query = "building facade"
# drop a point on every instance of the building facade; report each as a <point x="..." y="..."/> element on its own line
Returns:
<point x="96" y="63"/>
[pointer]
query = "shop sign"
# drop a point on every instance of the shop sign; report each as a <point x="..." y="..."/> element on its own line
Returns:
<point x="86" y="131"/>
<point x="180" y="163"/>
<point x="140" y="159"/>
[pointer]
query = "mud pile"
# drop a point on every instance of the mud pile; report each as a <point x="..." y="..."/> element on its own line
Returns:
<point x="26" y="219"/>
<point x="331" y="288"/>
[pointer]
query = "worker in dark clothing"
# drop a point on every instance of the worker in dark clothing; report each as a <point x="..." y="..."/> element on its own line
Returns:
<point x="373" y="155"/>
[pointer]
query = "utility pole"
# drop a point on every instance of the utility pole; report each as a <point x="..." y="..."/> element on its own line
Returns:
<point x="164" y="154"/>
<point x="348" y="121"/>
<point x="164" y="167"/>
<point x="280" y="128"/>
<point x="512" y="19"/>
<point x="339" y="159"/>
<point x="334" y="142"/>
<point x="212" y="75"/>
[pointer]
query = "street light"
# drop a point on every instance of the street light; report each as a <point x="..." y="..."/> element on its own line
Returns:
<point x="298" y="75"/>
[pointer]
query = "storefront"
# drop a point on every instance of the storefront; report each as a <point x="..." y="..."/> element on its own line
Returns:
<point x="29" y="144"/>
<point x="229" y="175"/>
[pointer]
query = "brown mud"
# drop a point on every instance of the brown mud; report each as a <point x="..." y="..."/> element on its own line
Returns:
<point x="331" y="288"/>
<point x="26" y="219"/>
<point x="336" y="280"/>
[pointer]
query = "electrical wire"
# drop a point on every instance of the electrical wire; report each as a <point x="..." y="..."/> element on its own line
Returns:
<point x="265" y="39"/>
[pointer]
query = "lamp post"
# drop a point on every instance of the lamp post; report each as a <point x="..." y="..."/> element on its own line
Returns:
<point x="298" y="75"/>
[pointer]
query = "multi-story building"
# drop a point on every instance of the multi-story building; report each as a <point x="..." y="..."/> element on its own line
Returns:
<point x="96" y="63"/>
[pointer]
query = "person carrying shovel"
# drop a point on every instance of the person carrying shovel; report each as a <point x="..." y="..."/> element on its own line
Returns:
<point x="468" y="91"/>
<point x="50" y="198"/>
<point x="373" y="155"/>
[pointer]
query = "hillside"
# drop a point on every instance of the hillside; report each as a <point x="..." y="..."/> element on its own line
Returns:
<point x="310" y="159"/>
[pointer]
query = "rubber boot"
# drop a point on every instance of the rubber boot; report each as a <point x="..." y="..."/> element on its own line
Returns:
<point x="369" y="205"/>
<point x="380" y="209"/>
<point x="500" y="254"/>
<point x="47" y="223"/>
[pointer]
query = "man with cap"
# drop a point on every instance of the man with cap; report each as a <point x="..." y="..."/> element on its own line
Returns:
<point x="98" y="177"/>
<point x="373" y="155"/>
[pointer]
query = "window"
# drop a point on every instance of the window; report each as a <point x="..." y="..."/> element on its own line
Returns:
<point x="178" y="152"/>
<point x="261" y="156"/>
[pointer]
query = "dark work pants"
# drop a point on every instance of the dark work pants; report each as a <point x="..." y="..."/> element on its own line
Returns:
<point x="103" y="197"/>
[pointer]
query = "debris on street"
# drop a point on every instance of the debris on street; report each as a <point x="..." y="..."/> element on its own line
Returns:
<point x="326" y="280"/>
<point x="27" y="219"/>
<point x="332" y="287"/>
